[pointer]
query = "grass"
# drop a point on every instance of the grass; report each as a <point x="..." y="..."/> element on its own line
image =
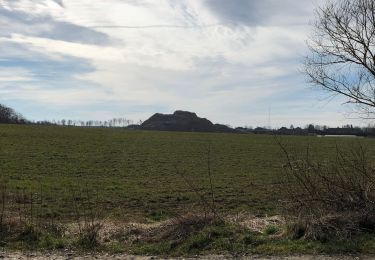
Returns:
<point x="224" y="238"/>
<point x="131" y="176"/>
<point x="132" y="173"/>
<point x="214" y="238"/>
<point x="271" y="230"/>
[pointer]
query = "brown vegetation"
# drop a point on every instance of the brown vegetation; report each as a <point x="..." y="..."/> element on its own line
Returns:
<point x="331" y="199"/>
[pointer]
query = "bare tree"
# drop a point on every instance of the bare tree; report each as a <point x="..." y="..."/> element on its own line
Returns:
<point x="9" y="116"/>
<point x="343" y="52"/>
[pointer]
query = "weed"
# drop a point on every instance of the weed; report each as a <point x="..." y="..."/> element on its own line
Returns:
<point x="29" y="235"/>
<point x="88" y="237"/>
<point x="50" y="242"/>
<point x="271" y="230"/>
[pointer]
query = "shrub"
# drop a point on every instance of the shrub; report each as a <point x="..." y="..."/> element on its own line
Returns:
<point x="89" y="236"/>
<point x="334" y="199"/>
<point x="29" y="234"/>
<point x="271" y="230"/>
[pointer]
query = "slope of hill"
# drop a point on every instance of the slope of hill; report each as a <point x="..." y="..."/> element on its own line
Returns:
<point x="183" y="121"/>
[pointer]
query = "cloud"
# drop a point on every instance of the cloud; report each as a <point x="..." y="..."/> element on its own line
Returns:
<point x="19" y="21"/>
<point x="261" y="13"/>
<point x="8" y="75"/>
<point x="59" y="2"/>
<point x="226" y="60"/>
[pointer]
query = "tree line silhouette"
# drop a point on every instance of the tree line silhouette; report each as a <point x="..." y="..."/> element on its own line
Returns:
<point x="115" y="122"/>
<point x="10" y="116"/>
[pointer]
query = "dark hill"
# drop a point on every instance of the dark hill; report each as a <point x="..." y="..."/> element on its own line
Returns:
<point x="182" y="121"/>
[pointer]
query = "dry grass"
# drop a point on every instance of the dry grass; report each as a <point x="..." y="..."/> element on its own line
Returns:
<point x="256" y="224"/>
<point x="181" y="227"/>
<point x="332" y="199"/>
<point x="174" y="229"/>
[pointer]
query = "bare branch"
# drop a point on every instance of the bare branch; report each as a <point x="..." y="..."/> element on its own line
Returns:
<point x="342" y="59"/>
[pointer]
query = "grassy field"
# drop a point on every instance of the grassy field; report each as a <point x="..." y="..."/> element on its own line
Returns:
<point x="135" y="174"/>
<point x="80" y="188"/>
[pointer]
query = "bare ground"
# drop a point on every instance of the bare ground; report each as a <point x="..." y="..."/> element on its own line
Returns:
<point x="68" y="255"/>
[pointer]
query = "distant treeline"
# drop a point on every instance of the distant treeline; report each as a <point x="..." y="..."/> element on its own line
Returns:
<point x="9" y="116"/>
<point x="313" y="130"/>
<point x="307" y="130"/>
<point x="115" y="122"/>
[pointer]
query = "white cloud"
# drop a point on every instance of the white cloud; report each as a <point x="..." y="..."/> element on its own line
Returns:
<point x="174" y="54"/>
<point x="63" y="48"/>
<point x="8" y="75"/>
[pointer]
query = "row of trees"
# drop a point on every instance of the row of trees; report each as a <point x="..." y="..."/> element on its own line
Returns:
<point x="115" y="122"/>
<point x="313" y="130"/>
<point x="10" y="116"/>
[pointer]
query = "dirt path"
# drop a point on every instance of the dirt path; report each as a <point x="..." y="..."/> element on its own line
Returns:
<point x="66" y="256"/>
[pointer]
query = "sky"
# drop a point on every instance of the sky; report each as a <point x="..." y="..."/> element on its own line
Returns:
<point x="233" y="62"/>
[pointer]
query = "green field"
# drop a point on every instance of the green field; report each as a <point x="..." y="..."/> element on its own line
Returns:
<point x="67" y="187"/>
<point x="137" y="174"/>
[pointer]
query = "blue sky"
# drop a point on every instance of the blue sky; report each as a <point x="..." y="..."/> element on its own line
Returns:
<point x="229" y="61"/>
